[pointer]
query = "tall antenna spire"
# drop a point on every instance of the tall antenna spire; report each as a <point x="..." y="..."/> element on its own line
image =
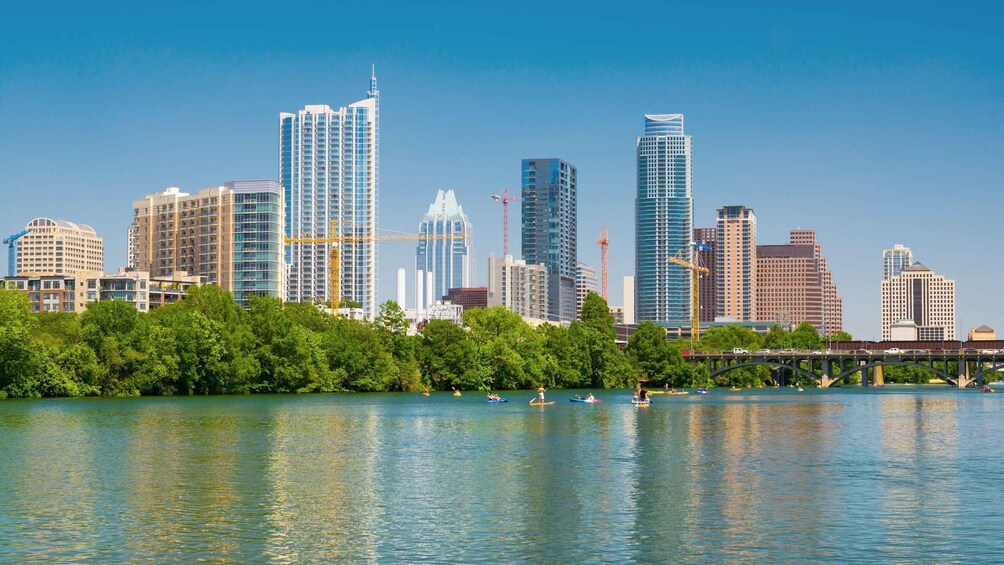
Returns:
<point x="373" y="92"/>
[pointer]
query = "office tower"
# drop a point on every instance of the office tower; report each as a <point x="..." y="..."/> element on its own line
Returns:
<point x="449" y="260"/>
<point x="230" y="234"/>
<point x="329" y="170"/>
<point x="518" y="286"/>
<point x="709" y="280"/>
<point x="794" y="284"/>
<point x="735" y="265"/>
<point x="550" y="229"/>
<point x="629" y="300"/>
<point x="585" y="282"/>
<point x="664" y="209"/>
<point x="471" y="297"/>
<point x="894" y="260"/>
<point x="922" y="297"/>
<point x="58" y="247"/>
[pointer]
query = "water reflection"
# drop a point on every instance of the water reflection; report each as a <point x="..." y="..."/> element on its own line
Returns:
<point x="825" y="476"/>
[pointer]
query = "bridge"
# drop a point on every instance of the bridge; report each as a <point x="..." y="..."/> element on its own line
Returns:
<point x="957" y="367"/>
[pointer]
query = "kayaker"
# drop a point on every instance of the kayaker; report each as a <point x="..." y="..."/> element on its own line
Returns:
<point x="643" y="394"/>
<point x="589" y="397"/>
<point x="540" y="393"/>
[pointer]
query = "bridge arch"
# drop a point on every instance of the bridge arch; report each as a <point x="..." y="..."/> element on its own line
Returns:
<point x="857" y="368"/>
<point x="981" y="375"/>
<point x="796" y="369"/>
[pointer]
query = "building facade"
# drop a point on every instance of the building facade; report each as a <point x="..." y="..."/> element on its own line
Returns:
<point x="736" y="263"/>
<point x="794" y="285"/>
<point x="449" y="260"/>
<point x="72" y="293"/>
<point x="229" y="234"/>
<point x="470" y="297"/>
<point x="922" y="297"/>
<point x="329" y="171"/>
<point x="550" y="229"/>
<point x="518" y="286"/>
<point x="664" y="211"/>
<point x="585" y="282"/>
<point x="894" y="260"/>
<point x="709" y="281"/>
<point x="59" y="247"/>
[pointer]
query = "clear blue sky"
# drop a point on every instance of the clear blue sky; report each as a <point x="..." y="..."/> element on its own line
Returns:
<point x="872" y="123"/>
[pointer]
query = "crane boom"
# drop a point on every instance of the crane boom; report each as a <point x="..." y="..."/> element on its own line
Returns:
<point x="695" y="273"/>
<point x="334" y="262"/>
<point x="11" y="244"/>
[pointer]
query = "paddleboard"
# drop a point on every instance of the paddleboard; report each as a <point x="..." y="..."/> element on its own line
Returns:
<point x="541" y="403"/>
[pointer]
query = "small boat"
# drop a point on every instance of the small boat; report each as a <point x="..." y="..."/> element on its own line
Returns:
<point x="585" y="400"/>
<point x="987" y="389"/>
<point x="497" y="401"/>
<point x="640" y="403"/>
<point x="426" y="393"/>
<point x="538" y="403"/>
<point x="678" y="392"/>
<point x="800" y="389"/>
<point x="456" y="393"/>
<point x="658" y="392"/>
<point x="734" y="389"/>
<point x="702" y="391"/>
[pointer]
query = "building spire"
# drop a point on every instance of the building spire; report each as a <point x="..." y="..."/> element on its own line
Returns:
<point x="373" y="92"/>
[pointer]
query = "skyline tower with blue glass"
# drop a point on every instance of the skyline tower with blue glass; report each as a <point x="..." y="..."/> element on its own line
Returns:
<point x="664" y="213"/>
<point x="449" y="260"/>
<point x="550" y="229"/>
<point x="329" y="170"/>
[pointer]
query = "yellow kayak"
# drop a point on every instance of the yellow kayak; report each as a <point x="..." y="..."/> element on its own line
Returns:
<point x="456" y="393"/>
<point x="678" y="392"/>
<point x="734" y="389"/>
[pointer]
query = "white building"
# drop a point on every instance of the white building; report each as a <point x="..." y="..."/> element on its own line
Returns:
<point x="59" y="247"/>
<point x="519" y="287"/>
<point x="628" y="299"/>
<point x="585" y="282"/>
<point x="922" y="297"/>
<point x="329" y="169"/>
<point x="449" y="258"/>
<point x="894" y="260"/>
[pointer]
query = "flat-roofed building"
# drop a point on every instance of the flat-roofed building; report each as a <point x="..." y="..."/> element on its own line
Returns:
<point x="919" y="295"/>
<point x="520" y="287"/>
<point x="468" y="297"/>
<point x="72" y="293"/>
<point x="794" y="284"/>
<point x="736" y="263"/>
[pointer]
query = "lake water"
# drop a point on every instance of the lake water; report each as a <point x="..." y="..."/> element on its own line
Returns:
<point x="893" y="474"/>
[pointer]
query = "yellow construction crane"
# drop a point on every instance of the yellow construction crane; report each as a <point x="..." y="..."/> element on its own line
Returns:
<point x="336" y="239"/>
<point x="696" y="270"/>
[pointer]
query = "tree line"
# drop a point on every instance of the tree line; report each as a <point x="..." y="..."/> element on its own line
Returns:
<point x="208" y="344"/>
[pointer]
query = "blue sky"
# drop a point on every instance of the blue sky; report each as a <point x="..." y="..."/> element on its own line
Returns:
<point x="872" y="123"/>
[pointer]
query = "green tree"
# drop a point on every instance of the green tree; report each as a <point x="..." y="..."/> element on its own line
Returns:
<point x="448" y="358"/>
<point x="653" y="356"/>
<point x="508" y="348"/>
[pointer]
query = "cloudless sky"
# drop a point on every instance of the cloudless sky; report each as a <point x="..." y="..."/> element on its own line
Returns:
<point x="873" y="123"/>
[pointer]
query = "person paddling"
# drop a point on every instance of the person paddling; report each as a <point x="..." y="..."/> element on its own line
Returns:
<point x="540" y="393"/>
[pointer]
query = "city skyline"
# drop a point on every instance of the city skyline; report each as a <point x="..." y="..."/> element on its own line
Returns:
<point x="781" y="100"/>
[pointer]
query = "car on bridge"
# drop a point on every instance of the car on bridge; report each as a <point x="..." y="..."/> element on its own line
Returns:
<point x="740" y="351"/>
<point x="893" y="351"/>
<point x="762" y="352"/>
<point x="988" y="352"/>
<point x="861" y="352"/>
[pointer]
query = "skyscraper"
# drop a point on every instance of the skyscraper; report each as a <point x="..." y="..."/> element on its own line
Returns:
<point x="585" y="282"/>
<point x="519" y="286"/>
<point x="664" y="211"/>
<point x="329" y="170"/>
<point x="922" y="297"/>
<point x="894" y="260"/>
<point x="550" y="229"/>
<point x="794" y="284"/>
<point x="449" y="260"/>
<point x="736" y="263"/>
<point x="230" y="234"/>
<point x="709" y="280"/>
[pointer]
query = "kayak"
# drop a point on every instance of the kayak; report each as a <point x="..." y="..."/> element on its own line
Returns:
<point x="499" y="401"/>
<point x="659" y="392"/>
<point x="678" y="392"/>
<point x="584" y="400"/>
<point x="541" y="403"/>
<point x="734" y="389"/>
<point x="641" y="402"/>
<point x="456" y="393"/>
<point x="425" y="394"/>
<point x="702" y="391"/>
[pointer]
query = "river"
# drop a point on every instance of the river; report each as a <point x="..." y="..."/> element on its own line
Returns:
<point x="892" y="474"/>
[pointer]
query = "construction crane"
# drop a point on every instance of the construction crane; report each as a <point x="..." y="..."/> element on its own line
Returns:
<point x="603" y="242"/>
<point x="696" y="270"/>
<point x="505" y="199"/>
<point x="335" y="240"/>
<point x="12" y="251"/>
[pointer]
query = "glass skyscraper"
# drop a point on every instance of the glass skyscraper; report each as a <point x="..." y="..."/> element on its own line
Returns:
<point x="550" y="230"/>
<point x="895" y="260"/>
<point x="257" y="239"/>
<point x="329" y="170"/>
<point x="449" y="260"/>
<point x="664" y="212"/>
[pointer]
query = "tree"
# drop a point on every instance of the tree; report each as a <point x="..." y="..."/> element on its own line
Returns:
<point x="839" y="336"/>
<point x="653" y="356"/>
<point x="596" y="314"/>
<point x="448" y="358"/>
<point x="509" y="350"/>
<point x="567" y="355"/>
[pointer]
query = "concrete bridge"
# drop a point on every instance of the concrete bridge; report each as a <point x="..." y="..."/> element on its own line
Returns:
<point x="827" y="368"/>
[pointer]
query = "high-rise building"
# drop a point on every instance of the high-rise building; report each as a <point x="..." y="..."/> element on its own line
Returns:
<point x="794" y="285"/>
<point x="518" y="286"/>
<point x="59" y="247"/>
<point x="922" y="297"/>
<point x="736" y="263"/>
<point x="449" y="260"/>
<point x="894" y="260"/>
<point x="229" y="234"/>
<point x="471" y="297"/>
<point x="709" y="280"/>
<point x="585" y="282"/>
<point x="329" y="170"/>
<point x="664" y="211"/>
<point x="550" y="229"/>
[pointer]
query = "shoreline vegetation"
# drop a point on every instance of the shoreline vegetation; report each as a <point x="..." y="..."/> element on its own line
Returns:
<point x="208" y="344"/>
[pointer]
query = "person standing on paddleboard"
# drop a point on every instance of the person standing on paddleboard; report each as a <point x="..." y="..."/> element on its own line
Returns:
<point x="540" y="393"/>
